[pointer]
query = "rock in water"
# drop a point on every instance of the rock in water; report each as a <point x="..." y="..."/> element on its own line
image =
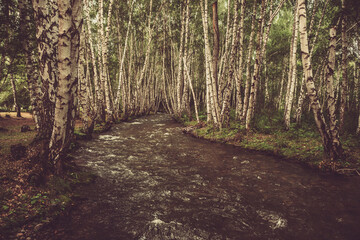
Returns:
<point x="25" y="128"/>
<point x="3" y="129"/>
<point x="17" y="151"/>
<point x="160" y="230"/>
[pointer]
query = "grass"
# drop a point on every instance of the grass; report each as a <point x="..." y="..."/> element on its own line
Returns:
<point x="300" y="143"/>
<point x="11" y="134"/>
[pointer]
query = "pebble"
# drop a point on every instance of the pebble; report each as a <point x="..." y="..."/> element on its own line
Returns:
<point x="19" y="234"/>
<point x="38" y="226"/>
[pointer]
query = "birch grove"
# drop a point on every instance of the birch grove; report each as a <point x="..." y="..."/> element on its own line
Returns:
<point x="219" y="63"/>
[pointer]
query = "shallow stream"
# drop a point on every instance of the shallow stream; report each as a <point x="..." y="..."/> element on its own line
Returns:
<point x="154" y="182"/>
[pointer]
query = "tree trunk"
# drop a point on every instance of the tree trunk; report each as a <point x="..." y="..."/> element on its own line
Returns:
<point x="104" y="37"/>
<point x="248" y="65"/>
<point x="330" y="148"/>
<point x="30" y="59"/>
<point x="298" y="112"/>
<point x="98" y="94"/>
<point x="216" y="42"/>
<point x="239" y="101"/>
<point x="192" y="91"/>
<point x="257" y="66"/>
<point x="225" y="110"/>
<point x="180" y="77"/>
<point x="211" y="98"/>
<point x="16" y="103"/>
<point x="84" y="89"/>
<point x="141" y="79"/>
<point x="331" y="104"/>
<point x="46" y="19"/>
<point x="283" y="76"/>
<point x="344" y="80"/>
<point x="185" y="96"/>
<point x="121" y="84"/>
<point x="69" y="25"/>
<point x="293" y="72"/>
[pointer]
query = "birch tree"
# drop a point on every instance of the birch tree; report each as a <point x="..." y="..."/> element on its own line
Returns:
<point x="225" y="112"/>
<point x="46" y="19"/>
<point x="248" y="65"/>
<point x="15" y="96"/>
<point x="121" y="89"/>
<point x="257" y="65"/>
<point x="331" y="104"/>
<point x="330" y="147"/>
<point x="344" y="80"/>
<point x="69" y="25"/>
<point x="292" y="73"/>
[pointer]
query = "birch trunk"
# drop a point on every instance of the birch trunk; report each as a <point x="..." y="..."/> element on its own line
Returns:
<point x="69" y="24"/>
<point x="30" y="60"/>
<point x="180" y="78"/>
<point x="216" y="46"/>
<point x="248" y="65"/>
<point x="185" y="96"/>
<point x="330" y="148"/>
<point x="98" y="108"/>
<point x="344" y="81"/>
<point x="146" y="62"/>
<point x="84" y="90"/>
<point x="293" y="73"/>
<point x="298" y="112"/>
<point x="257" y="65"/>
<point x="104" y="36"/>
<point x="302" y="95"/>
<point x="239" y="103"/>
<point x="225" y="111"/>
<point x="331" y="104"/>
<point x="16" y="103"/>
<point x="47" y="36"/>
<point x="192" y="91"/>
<point x="121" y="84"/>
<point x="283" y="75"/>
<point x="212" y="112"/>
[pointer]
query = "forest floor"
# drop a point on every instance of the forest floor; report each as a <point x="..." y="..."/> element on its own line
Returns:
<point x="10" y="133"/>
<point x="300" y="144"/>
<point x="26" y="206"/>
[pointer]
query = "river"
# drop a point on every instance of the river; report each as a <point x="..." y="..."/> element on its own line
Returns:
<point x="154" y="182"/>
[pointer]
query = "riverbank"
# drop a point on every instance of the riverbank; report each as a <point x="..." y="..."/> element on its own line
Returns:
<point x="301" y="145"/>
<point x="27" y="202"/>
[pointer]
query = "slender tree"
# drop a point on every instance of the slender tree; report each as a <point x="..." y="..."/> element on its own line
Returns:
<point x="333" y="150"/>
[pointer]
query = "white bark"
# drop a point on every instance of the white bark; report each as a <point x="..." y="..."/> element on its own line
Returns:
<point x="121" y="83"/>
<point x="65" y="92"/>
<point x="334" y="151"/>
<point x="292" y="75"/>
